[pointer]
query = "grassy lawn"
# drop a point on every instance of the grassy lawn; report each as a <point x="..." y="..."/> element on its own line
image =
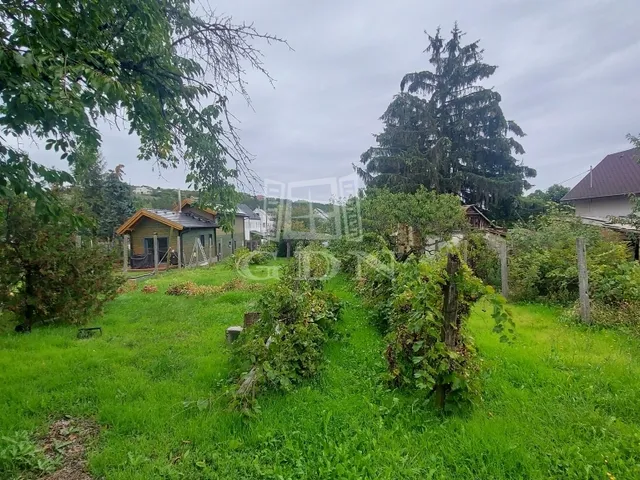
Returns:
<point x="562" y="402"/>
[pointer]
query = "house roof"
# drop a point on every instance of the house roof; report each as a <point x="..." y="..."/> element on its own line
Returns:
<point x="190" y="201"/>
<point x="474" y="210"/>
<point x="617" y="174"/>
<point x="246" y="210"/>
<point x="177" y="220"/>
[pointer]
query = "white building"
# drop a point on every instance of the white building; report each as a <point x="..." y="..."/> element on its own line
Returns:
<point x="251" y="221"/>
<point x="605" y="193"/>
<point x="143" y="190"/>
<point x="267" y="222"/>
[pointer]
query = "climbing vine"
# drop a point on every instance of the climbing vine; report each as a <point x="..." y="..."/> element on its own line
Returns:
<point x="423" y="305"/>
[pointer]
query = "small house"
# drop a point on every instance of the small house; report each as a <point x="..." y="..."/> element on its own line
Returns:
<point x="187" y="229"/>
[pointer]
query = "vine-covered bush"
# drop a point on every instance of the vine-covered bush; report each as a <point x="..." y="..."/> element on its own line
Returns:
<point x="286" y="345"/>
<point x="543" y="260"/>
<point x="483" y="259"/>
<point x="428" y="347"/>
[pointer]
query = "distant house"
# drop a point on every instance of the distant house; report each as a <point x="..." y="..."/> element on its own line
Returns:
<point x="196" y="230"/>
<point x="267" y="223"/>
<point x="143" y="190"/>
<point x="605" y="191"/>
<point x="251" y="221"/>
<point x="479" y="220"/>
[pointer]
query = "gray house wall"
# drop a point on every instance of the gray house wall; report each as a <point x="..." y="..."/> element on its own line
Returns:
<point x="189" y="238"/>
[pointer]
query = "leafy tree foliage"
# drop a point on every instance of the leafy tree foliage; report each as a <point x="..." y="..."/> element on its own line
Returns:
<point x="446" y="132"/>
<point x="101" y="196"/>
<point x="427" y="213"/>
<point x="44" y="275"/>
<point x="526" y="208"/>
<point x="117" y="205"/>
<point x="154" y="66"/>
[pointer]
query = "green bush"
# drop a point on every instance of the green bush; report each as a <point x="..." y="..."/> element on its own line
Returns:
<point x="483" y="260"/>
<point x="44" y="275"/>
<point x="286" y="345"/>
<point x="243" y="257"/>
<point x="543" y="260"/>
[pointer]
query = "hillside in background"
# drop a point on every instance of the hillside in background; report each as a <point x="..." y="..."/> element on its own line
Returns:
<point x="167" y="199"/>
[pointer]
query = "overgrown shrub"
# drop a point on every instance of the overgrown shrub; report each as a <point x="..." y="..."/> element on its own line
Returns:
<point x="483" y="259"/>
<point x="350" y="253"/>
<point x="286" y="345"/>
<point x="44" y="275"/>
<point x="149" y="289"/>
<point x="543" y="260"/>
<point x="425" y="350"/>
<point x="243" y="257"/>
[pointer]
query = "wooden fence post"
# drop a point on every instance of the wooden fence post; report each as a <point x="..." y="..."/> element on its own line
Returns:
<point x="583" y="280"/>
<point x="504" y="269"/>
<point x="125" y="253"/>
<point x="156" y="260"/>
<point x="179" y="250"/>
<point x="450" y="331"/>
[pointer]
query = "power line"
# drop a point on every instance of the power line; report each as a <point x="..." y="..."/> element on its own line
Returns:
<point x="565" y="181"/>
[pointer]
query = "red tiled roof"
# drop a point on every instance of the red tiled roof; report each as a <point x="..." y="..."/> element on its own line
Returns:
<point x="616" y="174"/>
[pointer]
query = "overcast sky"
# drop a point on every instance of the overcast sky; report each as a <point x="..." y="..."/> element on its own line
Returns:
<point x="568" y="73"/>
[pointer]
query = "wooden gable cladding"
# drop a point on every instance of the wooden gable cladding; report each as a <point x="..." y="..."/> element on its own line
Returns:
<point x="145" y="228"/>
<point x="130" y="224"/>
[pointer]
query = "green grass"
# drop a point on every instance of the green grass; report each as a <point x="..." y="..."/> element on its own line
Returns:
<point x="562" y="402"/>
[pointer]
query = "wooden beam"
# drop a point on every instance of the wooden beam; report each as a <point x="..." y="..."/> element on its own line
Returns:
<point x="125" y="253"/>
<point x="156" y="260"/>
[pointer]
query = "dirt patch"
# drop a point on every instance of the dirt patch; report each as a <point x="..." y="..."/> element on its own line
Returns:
<point x="67" y="441"/>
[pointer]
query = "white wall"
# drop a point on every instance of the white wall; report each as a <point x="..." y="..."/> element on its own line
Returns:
<point x="603" y="208"/>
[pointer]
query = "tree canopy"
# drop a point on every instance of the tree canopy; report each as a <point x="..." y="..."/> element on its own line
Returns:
<point x="446" y="132"/>
<point x="151" y="66"/>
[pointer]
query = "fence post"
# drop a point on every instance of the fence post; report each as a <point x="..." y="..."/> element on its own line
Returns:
<point x="583" y="279"/>
<point x="156" y="260"/>
<point x="179" y="250"/>
<point x="504" y="269"/>
<point x="125" y="253"/>
<point x="450" y="330"/>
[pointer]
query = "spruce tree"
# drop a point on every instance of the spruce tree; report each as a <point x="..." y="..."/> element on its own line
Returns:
<point x="447" y="132"/>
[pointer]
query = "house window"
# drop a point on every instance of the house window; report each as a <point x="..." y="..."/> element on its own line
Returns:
<point x="211" y="239"/>
<point x="202" y="240"/>
<point x="163" y="247"/>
